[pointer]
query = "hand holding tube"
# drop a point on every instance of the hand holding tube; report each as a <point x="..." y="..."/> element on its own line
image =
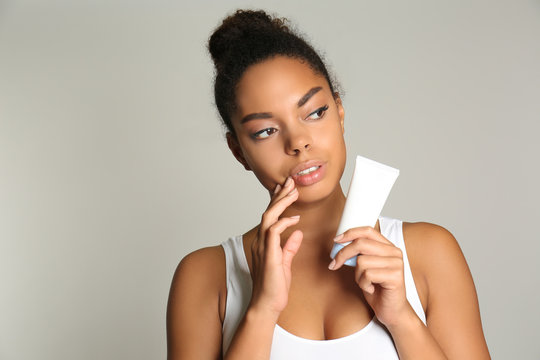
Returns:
<point x="379" y="272"/>
<point x="370" y="185"/>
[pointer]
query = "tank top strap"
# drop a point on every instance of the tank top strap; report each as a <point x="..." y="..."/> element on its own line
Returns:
<point x="392" y="229"/>
<point x="239" y="287"/>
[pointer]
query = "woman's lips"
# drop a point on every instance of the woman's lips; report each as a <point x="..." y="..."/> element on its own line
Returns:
<point x="308" y="173"/>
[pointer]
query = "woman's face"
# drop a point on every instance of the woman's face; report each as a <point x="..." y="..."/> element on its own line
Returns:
<point x="288" y="123"/>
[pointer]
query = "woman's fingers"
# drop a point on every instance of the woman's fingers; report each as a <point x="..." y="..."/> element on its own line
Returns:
<point x="271" y="263"/>
<point x="270" y="240"/>
<point x="377" y="270"/>
<point x="273" y="239"/>
<point x="291" y="248"/>
<point x="388" y="278"/>
<point x="281" y="191"/>
<point x="365" y="262"/>
<point x="283" y="199"/>
<point x="361" y="232"/>
<point x="365" y="246"/>
<point x="378" y="261"/>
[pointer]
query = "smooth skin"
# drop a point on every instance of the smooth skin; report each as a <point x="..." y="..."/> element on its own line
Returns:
<point x="295" y="285"/>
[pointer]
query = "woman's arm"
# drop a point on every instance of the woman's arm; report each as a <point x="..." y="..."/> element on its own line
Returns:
<point x="193" y="311"/>
<point x="199" y="287"/>
<point x="271" y="273"/>
<point x="452" y="312"/>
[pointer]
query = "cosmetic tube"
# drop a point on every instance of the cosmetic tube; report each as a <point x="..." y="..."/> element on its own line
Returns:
<point x="370" y="185"/>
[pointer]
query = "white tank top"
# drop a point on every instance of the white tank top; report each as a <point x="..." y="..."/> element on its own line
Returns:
<point x="371" y="342"/>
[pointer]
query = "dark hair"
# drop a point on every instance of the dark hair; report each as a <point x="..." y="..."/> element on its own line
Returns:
<point x="246" y="38"/>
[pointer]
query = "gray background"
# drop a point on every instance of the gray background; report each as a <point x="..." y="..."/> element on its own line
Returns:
<point x="113" y="164"/>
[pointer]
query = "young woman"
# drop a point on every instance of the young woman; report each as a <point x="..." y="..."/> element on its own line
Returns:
<point x="273" y="292"/>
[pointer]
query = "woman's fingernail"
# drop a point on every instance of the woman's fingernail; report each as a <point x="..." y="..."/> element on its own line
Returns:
<point x="339" y="237"/>
<point x="293" y="191"/>
<point x="288" y="182"/>
<point x="295" y="217"/>
<point x="278" y="187"/>
<point x="332" y="265"/>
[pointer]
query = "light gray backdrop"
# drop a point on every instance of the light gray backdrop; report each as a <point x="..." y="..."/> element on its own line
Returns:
<point x="113" y="164"/>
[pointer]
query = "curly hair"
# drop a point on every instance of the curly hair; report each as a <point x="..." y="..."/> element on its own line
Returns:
<point x="249" y="37"/>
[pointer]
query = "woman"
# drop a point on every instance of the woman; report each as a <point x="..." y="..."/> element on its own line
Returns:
<point x="273" y="293"/>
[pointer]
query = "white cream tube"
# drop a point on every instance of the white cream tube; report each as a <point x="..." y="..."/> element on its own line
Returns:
<point x="370" y="185"/>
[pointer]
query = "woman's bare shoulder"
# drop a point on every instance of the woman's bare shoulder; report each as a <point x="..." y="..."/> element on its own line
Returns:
<point x="201" y="268"/>
<point x="430" y="244"/>
<point x="200" y="281"/>
<point x="196" y="305"/>
<point x="207" y="256"/>
<point x="425" y="231"/>
<point x="433" y="252"/>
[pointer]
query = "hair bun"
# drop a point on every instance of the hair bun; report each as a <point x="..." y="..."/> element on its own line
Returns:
<point x="240" y="29"/>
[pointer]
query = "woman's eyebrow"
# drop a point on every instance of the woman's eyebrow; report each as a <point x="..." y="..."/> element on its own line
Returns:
<point x="266" y="115"/>
<point x="263" y="115"/>
<point x="308" y="95"/>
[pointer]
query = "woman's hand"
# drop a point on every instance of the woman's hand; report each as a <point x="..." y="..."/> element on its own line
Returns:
<point x="271" y="263"/>
<point x="379" y="272"/>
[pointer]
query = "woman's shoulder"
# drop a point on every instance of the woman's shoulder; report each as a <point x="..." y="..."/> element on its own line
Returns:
<point x="204" y="256"/>
<point x="434" y="256"/>
<point x="422" y="238"/>
<point x="196" y="303"/>
<point x="200" y="279"/>
<point x="202" y="266"/>
<point x="208" y="265"/>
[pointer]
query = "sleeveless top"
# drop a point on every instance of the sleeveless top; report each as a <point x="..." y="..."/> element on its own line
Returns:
<point x="371" y="342"/>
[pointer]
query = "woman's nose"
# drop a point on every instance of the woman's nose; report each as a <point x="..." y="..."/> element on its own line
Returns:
<point x="299" y="140"/>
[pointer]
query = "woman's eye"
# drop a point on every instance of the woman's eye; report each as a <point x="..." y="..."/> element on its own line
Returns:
<point x="263" y="134"/>
<point x="319" y="113"/>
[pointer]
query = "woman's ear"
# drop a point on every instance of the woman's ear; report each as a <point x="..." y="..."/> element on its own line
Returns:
<point x="232" y="141"/>
<point x="341" y="111"/>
